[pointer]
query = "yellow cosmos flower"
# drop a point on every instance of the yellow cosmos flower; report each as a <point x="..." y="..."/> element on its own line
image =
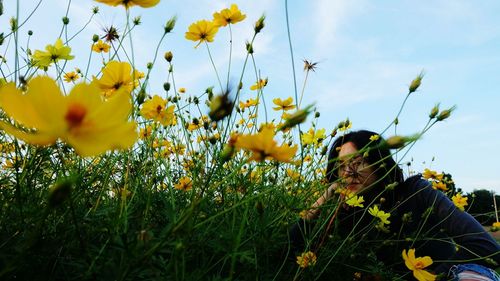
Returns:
<point x="182" y="90"/>
<point x="202" y="31"/>
<point x="249" y="103"/>
<point x="155" y="109"/>
<point x="228" y="16"/>
<point x="100" y="47"/>
<point x="82" y="119"/>
<point x="284" y="105"/>
<point x="259" y="85"/>
<point x="355" y="201"/>
<point x="146" y="132"/>
<point x="460" y="201"/>
<point x="495" y="227"/>
<point x="263" y="147"/>
<point x="115" y="76"/>
<point x="130" y="3"/>
<point x="52" y="54"/>
<point x="294" y="175"/>
<point x="184" y="184"/>
<point x="383" y="216"/>
<point x="71" y="76"/>
<point x="313" y="137"/>
<point x="417" y="265"/>
<point x="306" y="259"/>
<point x="439" y="185"/>
<point x="432" y="175"/>
<point x="496" y="224"/>
<point x="374" y="137"/>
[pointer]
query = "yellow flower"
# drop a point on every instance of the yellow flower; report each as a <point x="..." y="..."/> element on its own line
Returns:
<point x="284" y="105"/>
<point x="115" y="76"/>
<point x="146" y="132"/>
<point x="82" y="119"/>
<point x="313" y="137"/>
<point x="249" y="103"/>
<point x="263" y="147"/>
<point x="182" y="90"/>
<point x="495" y="227"/>
<point x="383" y="216"/>
<point x="374" y="137"/>
<point x="130" y="3"/>
<point x="52" y="54"/>
<point x="417" y="265"/>
<point x="294" y="175"/>
<point x="439" y="185"/>
<point x="306" y="259"/>
<point x="429" y="174"/>
<point x="184" y="184"/>
<point x="155" y="109"/>
<point x="355" y="201"/>
<point x="100" y="47"/>
<point x="228" y="16"/>
<point x="460" y="201"/>
<point x="259" y="85"/>
<point x="202" y="31"/>
<point x="71" y="76"/>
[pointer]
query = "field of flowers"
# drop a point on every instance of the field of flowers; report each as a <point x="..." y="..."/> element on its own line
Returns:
<point x="102" y="180"/>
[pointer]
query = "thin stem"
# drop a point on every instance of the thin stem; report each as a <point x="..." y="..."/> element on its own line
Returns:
<point x="215" y="68"/>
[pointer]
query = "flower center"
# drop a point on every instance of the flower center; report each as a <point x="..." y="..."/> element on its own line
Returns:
<point x="419" y="265"/>
<point x="75" y="115"/>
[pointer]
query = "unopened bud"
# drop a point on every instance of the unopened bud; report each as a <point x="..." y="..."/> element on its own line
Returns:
<point x="416" y="83"/>
<point x="169" y="56"/>
<point x="169" y="26"/>
<point x="259" y="24"/>
<point x="30" y="32"/>
<point x="166" y="86"/>
<point x="395" y="142"/>
<point x="434" y="111"/>
<point x="445" y="114"/>
<point x="297" y="117"/>
<point x="249" y="47"/>
<point x="95" y="38"/>
<point x="65" y="20"/>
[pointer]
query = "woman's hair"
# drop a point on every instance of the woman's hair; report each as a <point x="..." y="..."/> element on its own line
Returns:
<point x="379" y="156"/>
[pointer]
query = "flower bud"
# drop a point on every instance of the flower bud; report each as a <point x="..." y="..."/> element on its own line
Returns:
<point x="169" y="56"/>
<point x="169" y="26"/>
<point x="149" y="65"/>
<point x="220" y="107"/>
<point x="316" y="114"/>
<point x="396" y="142"/>
<point x="249" y="47"/>
<point x="445" y="114"/>
<point x="297" y="117"/>
<point x="95" y="38"/>
<point x="95" y="10"/>
<point x="30" y="32"/>
<point x="137" y="20"/>
<point x="166" y="86"/>
<point x="434" y="111"/>
<point x="259" y="24"/>
<point x="13" y="24"/>
<point x="416" y="83"/>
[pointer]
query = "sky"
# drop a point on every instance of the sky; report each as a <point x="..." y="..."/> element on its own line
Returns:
<point x="368" y="52"/>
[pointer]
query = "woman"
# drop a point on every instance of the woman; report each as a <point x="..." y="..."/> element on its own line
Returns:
<point x="421" y="218"/>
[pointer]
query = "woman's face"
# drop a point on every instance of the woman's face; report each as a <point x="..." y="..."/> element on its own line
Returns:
<point x="353" y="170"/>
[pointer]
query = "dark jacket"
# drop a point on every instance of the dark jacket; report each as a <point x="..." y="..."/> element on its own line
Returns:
<point x="422" y="218"/>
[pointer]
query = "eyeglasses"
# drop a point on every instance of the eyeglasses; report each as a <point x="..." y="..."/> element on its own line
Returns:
<point x="350" y="166"/>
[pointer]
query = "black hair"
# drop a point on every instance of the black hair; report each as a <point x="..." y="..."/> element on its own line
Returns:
<point x="378" y="155"/>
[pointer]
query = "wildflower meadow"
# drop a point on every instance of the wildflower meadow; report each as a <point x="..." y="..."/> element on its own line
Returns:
<point x="104" y="178"/>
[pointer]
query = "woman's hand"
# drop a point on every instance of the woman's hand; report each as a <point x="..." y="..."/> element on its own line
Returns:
<point x="314" y="211"/>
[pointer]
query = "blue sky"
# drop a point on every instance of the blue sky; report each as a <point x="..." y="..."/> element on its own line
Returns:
<point x="368" y="53"/>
